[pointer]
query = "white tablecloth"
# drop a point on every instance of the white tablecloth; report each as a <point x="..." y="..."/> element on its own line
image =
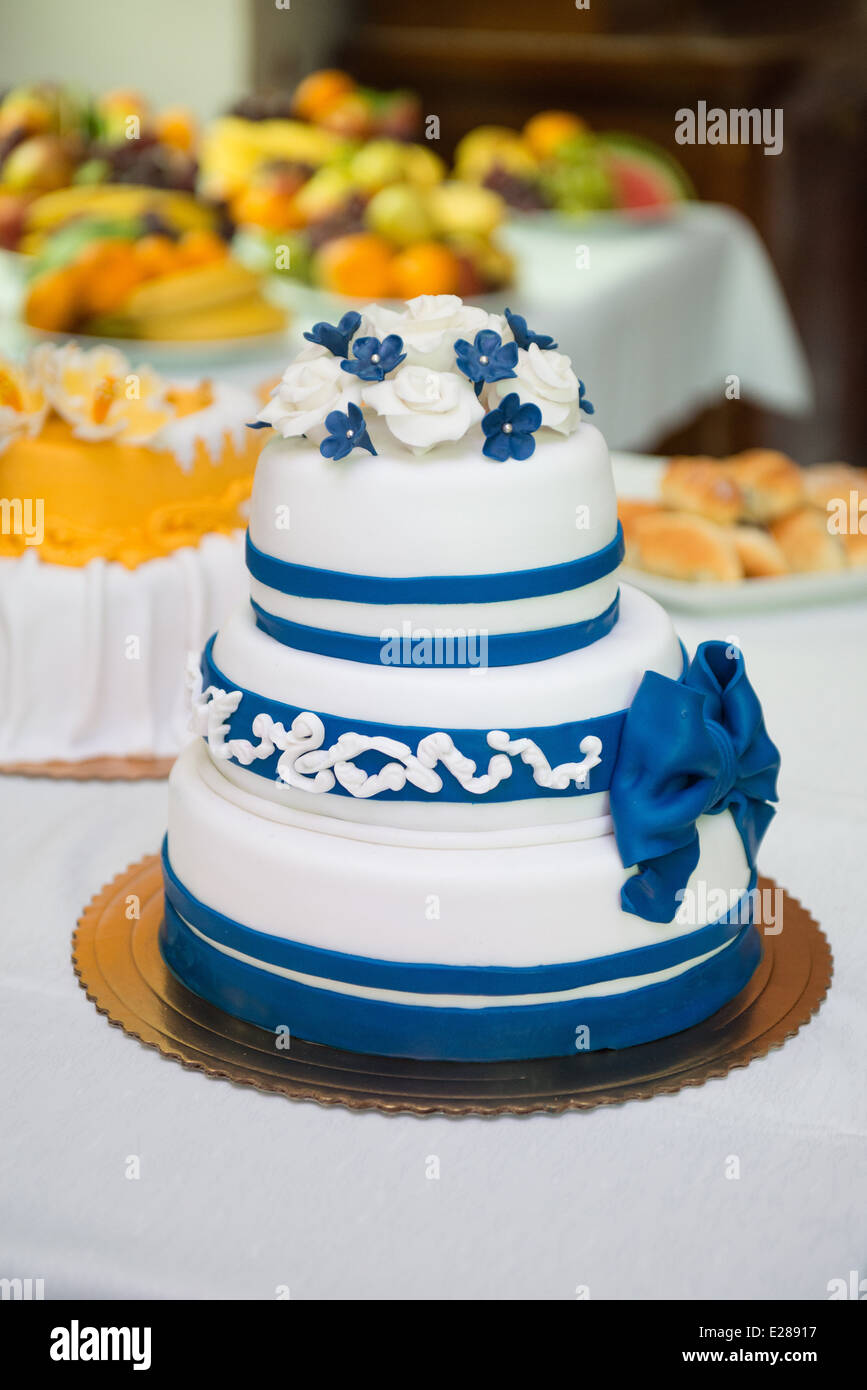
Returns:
<point x="657" y="316"/>
<point x="241" y="1192"/>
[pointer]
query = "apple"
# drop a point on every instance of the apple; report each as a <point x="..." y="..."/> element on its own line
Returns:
<point x="400" y="213"/>
<point x="465" y="207"/>
<point x="379" y="163"/>
<point x="39" y="164"/>
<point x="324" y="193"/>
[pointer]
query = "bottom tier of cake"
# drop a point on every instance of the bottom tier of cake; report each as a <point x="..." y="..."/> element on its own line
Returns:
<point x="486" y="946"/>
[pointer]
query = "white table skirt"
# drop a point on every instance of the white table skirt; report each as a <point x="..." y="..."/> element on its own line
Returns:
<point x="241" y="1193"/>
<point x="661" y="315"/>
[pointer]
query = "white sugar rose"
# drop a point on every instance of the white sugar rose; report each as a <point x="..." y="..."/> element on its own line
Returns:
<point x="311" y="387"/>
<point x="430" y="326"/>
<point x="423" y="407"/>
<point x="545" y="379"/>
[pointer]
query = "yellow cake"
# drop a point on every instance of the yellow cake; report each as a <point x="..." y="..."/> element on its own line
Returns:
<point x="122" y="501"/>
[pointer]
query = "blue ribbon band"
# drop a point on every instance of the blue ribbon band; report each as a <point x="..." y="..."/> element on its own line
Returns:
<point x="496" y="1032"/>
<point x="559" y="742"/>
<point x="413" y="978"/>
<point x="304" y="581"/>
<point x="500" y="649"/>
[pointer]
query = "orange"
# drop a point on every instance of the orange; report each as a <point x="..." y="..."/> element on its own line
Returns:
<point x="200" y="248"/>
<point x="319" y="91"/>
<point x="108" y="271"/>
<point x="261" y="206"/>
<point x="547" y="130"/>
<point x="52" y="301"/>
<point x="157" y="255"/>
<point x="359" y="265"/>
<point x="175" y="127"/>
<point x="426" y="268"/>
<point x="350" y="116"/>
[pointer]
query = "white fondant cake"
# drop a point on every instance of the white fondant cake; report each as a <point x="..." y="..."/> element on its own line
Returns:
<point x="457" y="795"/>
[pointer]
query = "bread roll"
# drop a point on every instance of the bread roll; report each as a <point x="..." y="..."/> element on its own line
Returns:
<point x="760" y="555"/>
<point x="702" y="487"/>
<point x="772" y="485"/>
<point x="830" y="482"/>
<point x="684" y="547"/>
<point x="807" y="543"/>
<point x="855" y="546"/>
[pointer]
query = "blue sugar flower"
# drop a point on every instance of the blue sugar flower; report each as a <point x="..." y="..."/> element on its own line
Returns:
<point x="375" y="359"/>
<point x="523" y="335"/>
<point x="509" y="429"/>
<point x="487" y="358"/>
<point x="336" y="340"/>
<point x="583" y="403"/>
<point x="345" y="433"/>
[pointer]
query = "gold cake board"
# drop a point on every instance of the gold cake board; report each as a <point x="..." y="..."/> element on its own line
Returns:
<point x="117" y="959"/>
<point x="106" y="769"/>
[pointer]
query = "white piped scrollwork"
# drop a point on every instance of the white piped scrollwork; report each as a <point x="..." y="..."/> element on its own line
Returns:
<point x="306" y="764"/>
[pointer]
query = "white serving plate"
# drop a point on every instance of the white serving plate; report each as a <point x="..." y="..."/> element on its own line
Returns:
<point x="173" y="354"/>
<point x="17" y="337"/>
<point x="638" y="476"/>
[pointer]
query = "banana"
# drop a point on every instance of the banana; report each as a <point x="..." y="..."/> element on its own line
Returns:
<point x="240" y="318"/>
<point x="120" y="200"/>
<point x="233" y="148"/>
<point x="189" y="290"/>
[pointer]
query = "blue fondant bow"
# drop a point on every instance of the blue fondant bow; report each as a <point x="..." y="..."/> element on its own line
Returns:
<point x="689" y="748"/>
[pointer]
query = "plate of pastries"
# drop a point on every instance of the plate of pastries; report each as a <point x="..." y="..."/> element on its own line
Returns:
<point x="749" y="531"/>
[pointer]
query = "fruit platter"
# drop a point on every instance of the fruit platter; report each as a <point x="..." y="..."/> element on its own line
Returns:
<point x="556" y="163"/>
<point x="54" y="137"/>
<point x="119" y="262"/>
<point x="326" y="191"/>
<point x="127" y="223"/>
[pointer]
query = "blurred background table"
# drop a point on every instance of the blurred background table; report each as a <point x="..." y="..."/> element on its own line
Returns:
<point x="659" y="318"/>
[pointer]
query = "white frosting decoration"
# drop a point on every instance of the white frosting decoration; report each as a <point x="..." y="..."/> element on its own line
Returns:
<point x="101" y="396"/>
<point x="92" y="657"/>
<point x="423" y="407"/>
<point x="72" y="377"/>
<point x="227" y="415"/>
<point x="545" y="379"/>
<point x="430" y="325"/>
<point x="304" y="763"/>
<point x="23" y="403"/>
<point x="578" y="685"/>
<point x="310" y="388"/>
<point x="426" y="401"/>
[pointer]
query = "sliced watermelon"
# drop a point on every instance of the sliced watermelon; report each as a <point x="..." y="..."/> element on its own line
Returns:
<point x="644" y="175"/>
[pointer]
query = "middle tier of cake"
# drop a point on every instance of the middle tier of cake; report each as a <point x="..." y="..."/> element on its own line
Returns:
<point x="555" y="706"/>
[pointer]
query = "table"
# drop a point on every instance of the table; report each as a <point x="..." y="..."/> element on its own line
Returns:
<point x="241" y="1192"/>
<point x="657" y="315"/>
<point x="658" y="319"/>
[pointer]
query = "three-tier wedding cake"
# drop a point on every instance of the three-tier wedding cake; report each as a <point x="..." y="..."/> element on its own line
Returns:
<point x="458" y="793"/>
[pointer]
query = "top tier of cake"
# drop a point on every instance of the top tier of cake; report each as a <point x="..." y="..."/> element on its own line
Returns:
<point x="434" y="467"/>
